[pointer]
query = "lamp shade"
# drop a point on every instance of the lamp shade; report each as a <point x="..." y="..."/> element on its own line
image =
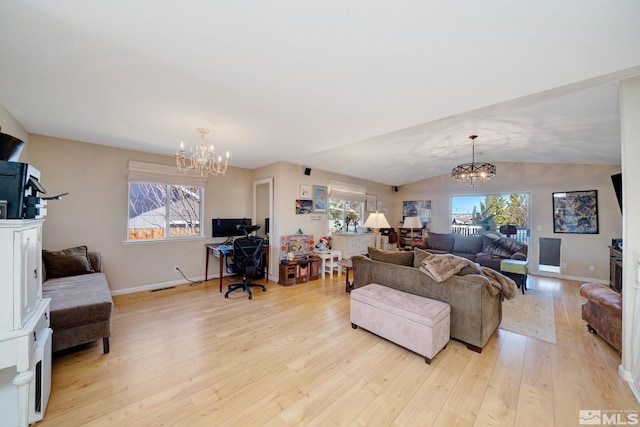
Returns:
<point x="376" y="221"/>
<point x="412" y="222"/>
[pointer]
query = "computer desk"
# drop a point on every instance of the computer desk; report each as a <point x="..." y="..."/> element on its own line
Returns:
<point x="213" y="248"/>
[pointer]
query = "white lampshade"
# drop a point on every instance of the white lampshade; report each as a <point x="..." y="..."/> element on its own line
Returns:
<point x="376" y="221"/>
<point x="412" y="222"/>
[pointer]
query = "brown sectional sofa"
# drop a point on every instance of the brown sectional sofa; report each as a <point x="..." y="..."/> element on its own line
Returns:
<point x="81" y="303"/>
<point x="476" y="311"/>
<point x="487" y="250"/>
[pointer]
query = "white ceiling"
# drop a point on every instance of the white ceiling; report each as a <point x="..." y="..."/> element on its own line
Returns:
<point x="380" y="90"/>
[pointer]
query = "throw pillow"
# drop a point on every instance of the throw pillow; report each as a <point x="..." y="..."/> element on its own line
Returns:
<point x="67" y="262"/>
<point x="504" y="247"/>
<point x="440" y="241"/>
<point x="392" y="257"/>
<point x="418" y="256"/>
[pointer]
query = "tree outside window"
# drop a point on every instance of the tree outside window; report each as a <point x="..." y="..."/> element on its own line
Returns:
<point x="162" y="211"/>
<point x="344" y="215"/>
<point x="481" y="213"/>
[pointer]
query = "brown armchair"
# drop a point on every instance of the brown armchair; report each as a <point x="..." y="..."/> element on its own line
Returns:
<point x="603" y="312"/>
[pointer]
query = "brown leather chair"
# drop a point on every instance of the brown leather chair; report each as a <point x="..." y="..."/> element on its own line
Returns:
<point x="603" y="312"/>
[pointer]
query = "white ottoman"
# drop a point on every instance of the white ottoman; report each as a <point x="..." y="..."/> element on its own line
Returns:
<point x="414" y="322"/>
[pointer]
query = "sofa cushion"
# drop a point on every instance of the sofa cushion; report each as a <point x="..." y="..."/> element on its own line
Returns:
<point x="418" y="256"/>
<point x="504" y="247"/>
<point x="440" y="241"/>
<point x="392" y="257"/>
<point x="467" y="244"/>
<point x="78" y="300"/>
<point x="67" y="262"/>
<point x="487" y="240"/>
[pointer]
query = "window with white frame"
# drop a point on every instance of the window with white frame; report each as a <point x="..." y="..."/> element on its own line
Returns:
<point x="164" y="204"/>
<point x="346" y="207"/>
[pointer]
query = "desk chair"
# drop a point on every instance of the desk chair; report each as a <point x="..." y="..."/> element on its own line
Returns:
<point x="247" y="259"/>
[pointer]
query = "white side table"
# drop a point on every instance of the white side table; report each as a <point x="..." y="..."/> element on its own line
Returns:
<point x="330" y="261"/>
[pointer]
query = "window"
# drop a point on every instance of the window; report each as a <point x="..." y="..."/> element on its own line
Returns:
<point x="476" y="214"/>
<point x="345" y="215"/>
<point x="346" y="207"/>
<point x="164" y="204"/>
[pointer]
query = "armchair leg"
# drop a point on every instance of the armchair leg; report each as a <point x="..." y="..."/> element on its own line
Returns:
<point x="105" y="345"/>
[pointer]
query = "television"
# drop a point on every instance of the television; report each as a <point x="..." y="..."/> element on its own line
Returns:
<point x="225" y="227"/>
<point x="616" y="180"/>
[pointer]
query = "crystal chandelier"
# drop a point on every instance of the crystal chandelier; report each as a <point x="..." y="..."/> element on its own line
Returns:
<point x="202" y="160"/>
<point x="473" y="173"/>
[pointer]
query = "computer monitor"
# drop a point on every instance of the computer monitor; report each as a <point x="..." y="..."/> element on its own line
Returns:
<point x="225" y="227"/>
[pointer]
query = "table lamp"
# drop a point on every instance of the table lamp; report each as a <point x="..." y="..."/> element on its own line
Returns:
<point x="376" y="221"/>
<point x="412" y="222"/>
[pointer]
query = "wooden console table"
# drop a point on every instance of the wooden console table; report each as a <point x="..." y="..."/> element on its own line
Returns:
<point x="222" y="254"/>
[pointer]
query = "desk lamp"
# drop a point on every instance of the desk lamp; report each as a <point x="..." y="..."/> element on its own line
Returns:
<point x="412" y="222"/>
<point x="376" y="221"/>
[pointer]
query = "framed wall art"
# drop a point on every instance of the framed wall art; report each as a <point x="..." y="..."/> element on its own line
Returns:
<point x="319" y="199"/>
<point x="575" y="212"/>
<point x="305" y="191"/>
<point x="303" y="207"/>
<point x="420" y="208"/>
<point x="372" y="204"/>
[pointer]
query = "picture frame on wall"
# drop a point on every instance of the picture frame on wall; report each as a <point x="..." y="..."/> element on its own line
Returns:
<point x="303" y="206"/>
<point x="305" y="191"/>
<point x="575" y="212"/>
<point x="320" y="199"/>
<point x="372" y="204"/>
<point x="419" y="208"/>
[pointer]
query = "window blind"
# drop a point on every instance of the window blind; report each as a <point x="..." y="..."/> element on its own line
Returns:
<point x="347" y="191"/>
<point x="162" y="174"/>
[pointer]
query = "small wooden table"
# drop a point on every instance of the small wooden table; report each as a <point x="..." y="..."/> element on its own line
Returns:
<point x="347" y="265"/>
<point x="221" y="254"/>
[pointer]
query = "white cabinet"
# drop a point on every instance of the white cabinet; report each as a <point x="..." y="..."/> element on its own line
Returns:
<point x="24" y="323"/>
<point x="351" y="243"/>
<point x="20" y="272"/>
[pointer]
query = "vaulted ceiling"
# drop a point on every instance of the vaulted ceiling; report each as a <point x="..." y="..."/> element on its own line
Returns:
<point x="379" y="90"/>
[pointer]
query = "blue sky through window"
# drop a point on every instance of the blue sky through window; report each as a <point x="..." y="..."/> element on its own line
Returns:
<point x="465" y="204"/>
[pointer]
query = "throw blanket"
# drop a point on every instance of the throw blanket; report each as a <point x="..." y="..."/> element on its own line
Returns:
<point x="442" y="267"/>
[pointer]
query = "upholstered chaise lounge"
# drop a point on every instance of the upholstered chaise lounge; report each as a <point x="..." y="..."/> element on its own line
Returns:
<point x="81" y="304"/>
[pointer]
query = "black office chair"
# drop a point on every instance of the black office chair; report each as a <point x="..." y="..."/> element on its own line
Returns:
<point x="247" y="259"/>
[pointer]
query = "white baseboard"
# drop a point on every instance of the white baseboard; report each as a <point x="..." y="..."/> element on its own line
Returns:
<point x="634" y="385"/>
<point x="566" y="277"/>
<point x="154" y="286"/>
<point x="163" y="285"/>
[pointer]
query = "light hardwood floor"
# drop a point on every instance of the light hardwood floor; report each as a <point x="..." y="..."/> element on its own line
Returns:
<point x="289" y="357"/>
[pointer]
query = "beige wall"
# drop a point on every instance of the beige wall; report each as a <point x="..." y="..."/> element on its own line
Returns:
<point x="95" y="212"/>
<point x="579" y="251"/>
<point x="287" y="179"/>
